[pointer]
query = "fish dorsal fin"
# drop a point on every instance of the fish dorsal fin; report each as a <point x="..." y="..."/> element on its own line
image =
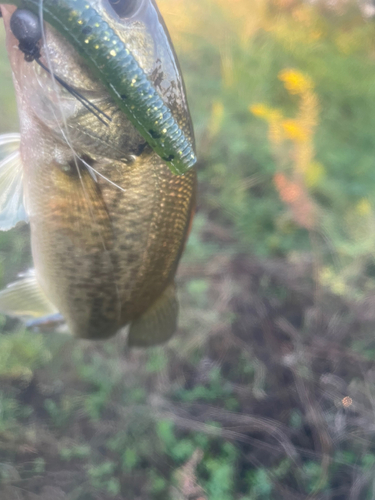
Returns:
<point x="12" y="208"/>
<point x="25" y="299"/>
<point x="158" y="323"/>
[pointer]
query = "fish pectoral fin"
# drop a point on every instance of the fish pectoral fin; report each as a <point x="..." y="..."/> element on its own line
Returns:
<point x="12" y="208"/>
<point x="25" y="299"/>
<point x="158" y="323"/>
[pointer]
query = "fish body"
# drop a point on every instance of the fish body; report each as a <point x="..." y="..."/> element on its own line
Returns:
<point x="108" y="219"/>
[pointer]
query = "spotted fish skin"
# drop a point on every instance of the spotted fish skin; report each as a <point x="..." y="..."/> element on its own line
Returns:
<point x="108" y="218"/>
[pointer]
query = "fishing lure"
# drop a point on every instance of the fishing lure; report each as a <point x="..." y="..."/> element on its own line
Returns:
<point x="25" y="26"/>
<point x="110" y="59"/>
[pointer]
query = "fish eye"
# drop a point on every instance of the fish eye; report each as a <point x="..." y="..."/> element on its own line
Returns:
<point x="124" y="8"/>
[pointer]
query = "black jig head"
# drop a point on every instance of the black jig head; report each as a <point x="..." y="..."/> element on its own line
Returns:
<point x="25" y="26"/>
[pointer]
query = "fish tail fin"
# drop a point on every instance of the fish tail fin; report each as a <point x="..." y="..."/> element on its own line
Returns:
<point x="158" y="323"/>
<point x="25" y="299"/>
<point x="12" y="208"/>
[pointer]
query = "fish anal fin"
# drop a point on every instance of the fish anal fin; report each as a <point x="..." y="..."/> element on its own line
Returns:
<point x="25" y="299"/>
<point x="158" y="323"/>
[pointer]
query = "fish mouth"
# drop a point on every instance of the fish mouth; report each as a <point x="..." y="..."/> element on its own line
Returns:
<point x="98" y="37"/>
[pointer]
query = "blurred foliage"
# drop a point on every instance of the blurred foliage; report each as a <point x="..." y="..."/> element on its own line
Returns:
<point x="8" y="121"/>
<point x="320" y="133"/>
<point x="267" y="392"/>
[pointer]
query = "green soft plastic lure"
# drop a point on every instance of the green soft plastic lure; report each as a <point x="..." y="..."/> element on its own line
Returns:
<point x="114" y="64"/>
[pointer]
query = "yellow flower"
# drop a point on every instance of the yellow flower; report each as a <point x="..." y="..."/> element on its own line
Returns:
<point x="260" y="110"/>
<point x="363" y="207"/>
<point x="294" y="131"/>
<point x="263" y="111"/>
<point x="294" y="81"/>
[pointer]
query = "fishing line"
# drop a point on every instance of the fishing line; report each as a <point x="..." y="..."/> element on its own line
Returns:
<point x="90" y="167"/>
<point x="83" y="100"/>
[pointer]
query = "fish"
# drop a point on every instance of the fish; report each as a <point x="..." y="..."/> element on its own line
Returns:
<point x="108" y="218"/>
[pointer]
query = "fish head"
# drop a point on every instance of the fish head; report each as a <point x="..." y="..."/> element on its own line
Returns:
<point x="41" y="98"/>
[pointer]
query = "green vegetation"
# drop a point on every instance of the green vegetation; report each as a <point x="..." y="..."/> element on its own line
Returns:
<point x="267" y="391"/>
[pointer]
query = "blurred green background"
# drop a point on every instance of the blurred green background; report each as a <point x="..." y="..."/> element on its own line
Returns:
<point x="267" y="391"/>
